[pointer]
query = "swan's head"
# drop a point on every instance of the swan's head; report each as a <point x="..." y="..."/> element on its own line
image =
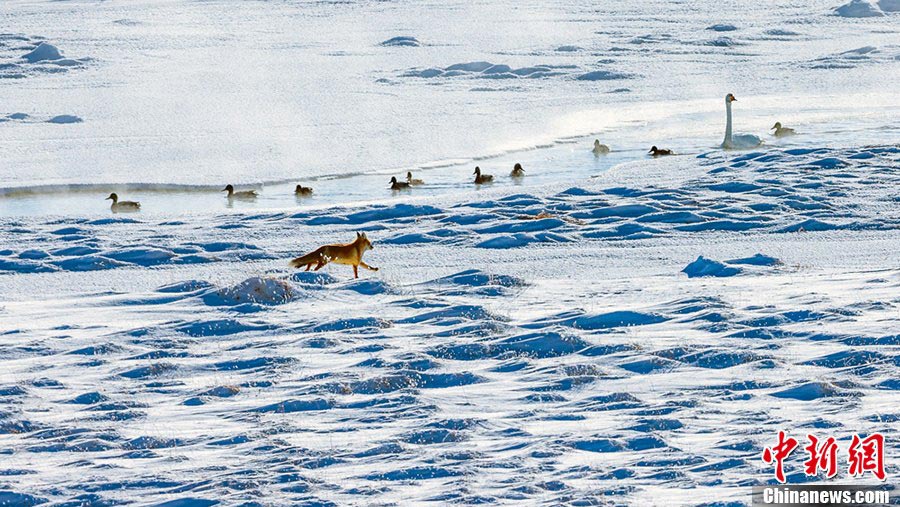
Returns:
<point x="777" y="125"/>
<point x="228" y="188"/>
<point x="112" y="197"/>
<point x="477" y="170"/>
<point x="596" y="143"/>
<point x="730" y="98"/>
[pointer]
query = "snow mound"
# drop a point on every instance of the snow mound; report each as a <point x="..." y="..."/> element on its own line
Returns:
<point x="259" y="290"/>
<point x="858" y="9"/>
<point x="756" y="260"/>
<point x="42" y="53"/>
<point x="603" y="75"/>
<point x="403" y="41"/>
<point x="65" y="119"/>
<point x="889" y="5"/>
<point x="722" y="27"/>
<point x="708" y="267"/>
<point x="487" y="70"/>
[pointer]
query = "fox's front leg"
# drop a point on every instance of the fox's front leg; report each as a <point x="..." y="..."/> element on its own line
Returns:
<point x="355" y="271"/>
<point x="370" y="268"/>
<point x="308" y="266"/>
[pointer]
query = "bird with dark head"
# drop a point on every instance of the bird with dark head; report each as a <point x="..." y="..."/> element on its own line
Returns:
<point x="413" y="181"/>
<point x="122" y="206"/>
<point x="398" y="185"/>
<point x="482" y="178"/>
<point x="243" y="194"/>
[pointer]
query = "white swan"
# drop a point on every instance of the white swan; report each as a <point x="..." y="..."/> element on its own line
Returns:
<point x="739" y="141"/>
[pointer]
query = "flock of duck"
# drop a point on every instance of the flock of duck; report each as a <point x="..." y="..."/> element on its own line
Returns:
<point x="731" y="142"/>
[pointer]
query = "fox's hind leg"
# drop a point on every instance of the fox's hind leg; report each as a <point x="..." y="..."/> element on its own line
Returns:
<point x="355" y="271"/>
<point x="363" y="264"/>
<point x="309" y="266"/>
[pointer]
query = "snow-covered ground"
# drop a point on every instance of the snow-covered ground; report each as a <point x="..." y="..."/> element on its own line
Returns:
<point x="492" y="358"/>
<point x="609" y="330"/>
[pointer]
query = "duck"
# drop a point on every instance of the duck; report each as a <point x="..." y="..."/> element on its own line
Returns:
<point x="737" y="141"/>
<point x="304" y="191"/>
<point x="124" y="206"/>
<point x="243" y="194"/>
<point x="600" y="149"/>
<point x="413" y="181"/>
<point x="782" y="131"/>
<point x="517" y="171"/>
<point x="398" y="185"/>
<point x="656" y="152"/>
<point x="482" y="178"/>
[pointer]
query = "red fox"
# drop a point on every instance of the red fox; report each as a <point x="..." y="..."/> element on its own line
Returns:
<point x="350" y="253"/>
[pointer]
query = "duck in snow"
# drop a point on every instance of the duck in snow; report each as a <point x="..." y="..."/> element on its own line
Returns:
<point x="517" y="171"/>
<point x="122" y="206"/>
<point x="656" y="152"/>
<point x="782" y="131"/>
<point x="600" y="149"/>
<point x="482" y="178"/>
<point x="303" y="191"/>
<point x="243" y="194"/>
<point x="413" y="181"/>
<point x="398" y="185"/>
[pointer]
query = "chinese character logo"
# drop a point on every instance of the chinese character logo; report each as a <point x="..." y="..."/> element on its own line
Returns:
<point x="779" y="453"/>
<point x="867" y="455"/>
<point x="864" y="455"/>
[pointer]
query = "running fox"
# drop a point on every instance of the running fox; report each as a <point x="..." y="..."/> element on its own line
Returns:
<point x="350" y="253"/>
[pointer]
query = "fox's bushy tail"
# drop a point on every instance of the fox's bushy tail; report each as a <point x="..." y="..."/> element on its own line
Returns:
<point x="310" y="258"/>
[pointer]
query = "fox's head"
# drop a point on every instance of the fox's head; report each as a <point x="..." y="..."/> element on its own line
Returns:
<point x="362" y="239"/>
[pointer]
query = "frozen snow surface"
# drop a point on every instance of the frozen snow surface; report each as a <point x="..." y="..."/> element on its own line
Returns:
<point x="200" y="94"/>
<point x="612" y="330"/>
<point x="641" y="334"/>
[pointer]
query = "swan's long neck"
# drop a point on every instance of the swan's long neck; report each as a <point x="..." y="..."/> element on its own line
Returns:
<point x="727" y="122"/>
